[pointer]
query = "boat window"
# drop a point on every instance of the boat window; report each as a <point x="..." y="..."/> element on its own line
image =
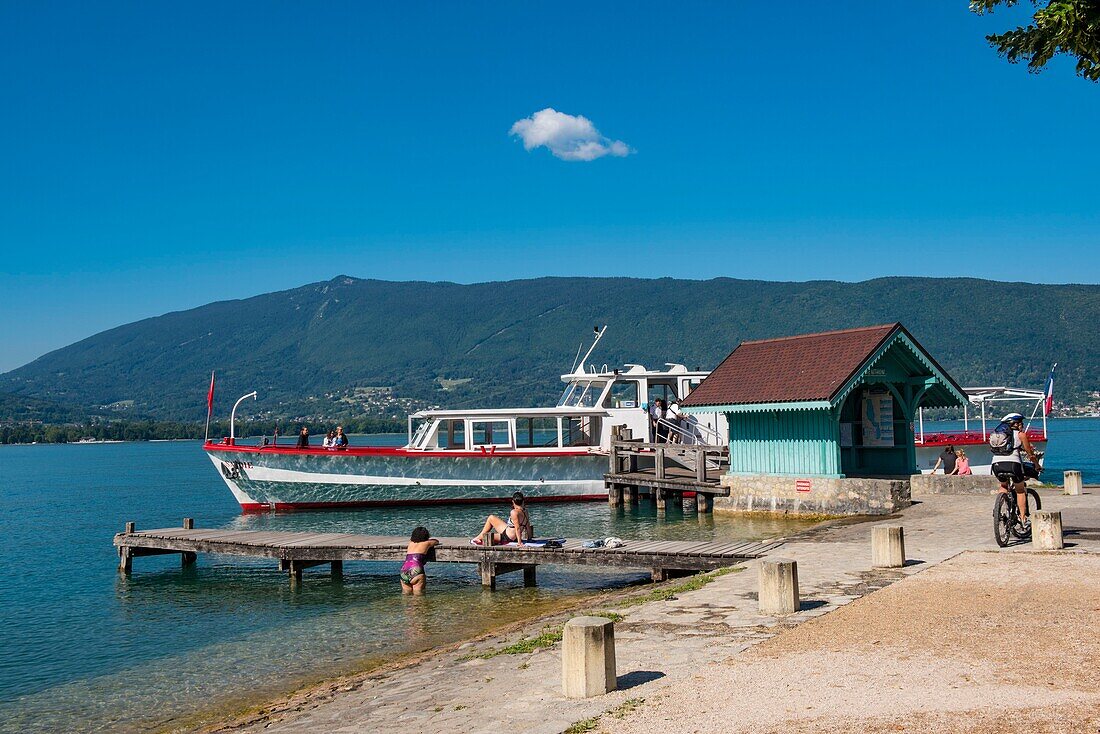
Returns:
<point x="540" y="432"/>
<point x="491" y="433"/>
<point x="664" y="390"/>
<point x="623" y="394"/>
<point x="582" y="394"/>
<point x="580" y="431"/>
<point x="418" y="434"/>
<point x="452" y="434"/>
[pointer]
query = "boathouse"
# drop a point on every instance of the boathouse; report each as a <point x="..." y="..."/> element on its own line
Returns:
<point x="814" y="410"/>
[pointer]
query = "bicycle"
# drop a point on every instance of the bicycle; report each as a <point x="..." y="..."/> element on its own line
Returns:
<point x="1006" y="512"/>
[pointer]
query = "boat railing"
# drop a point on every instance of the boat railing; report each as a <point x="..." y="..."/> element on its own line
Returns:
<point x="705" y="435"/>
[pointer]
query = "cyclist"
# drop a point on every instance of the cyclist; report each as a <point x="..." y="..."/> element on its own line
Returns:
<point x="1009" y="468"/>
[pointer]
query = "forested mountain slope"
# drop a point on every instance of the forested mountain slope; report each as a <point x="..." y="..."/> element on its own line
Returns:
<point x="312" y="350"/>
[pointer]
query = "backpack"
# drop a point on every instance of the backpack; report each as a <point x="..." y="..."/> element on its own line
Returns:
<point x="1002" y="442"/>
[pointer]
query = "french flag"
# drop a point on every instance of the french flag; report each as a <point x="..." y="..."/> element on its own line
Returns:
<point x="1048" y="404"/>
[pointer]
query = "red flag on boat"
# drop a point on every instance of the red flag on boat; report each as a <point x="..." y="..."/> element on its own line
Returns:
<point x="210" y="396"/>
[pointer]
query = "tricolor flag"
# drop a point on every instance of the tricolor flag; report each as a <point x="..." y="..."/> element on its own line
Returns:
<point x="1048" y="404"/>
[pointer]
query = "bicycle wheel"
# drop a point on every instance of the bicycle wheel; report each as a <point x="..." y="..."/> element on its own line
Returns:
<point x="1033" y="503"/>
<point x="1003" y="518"/>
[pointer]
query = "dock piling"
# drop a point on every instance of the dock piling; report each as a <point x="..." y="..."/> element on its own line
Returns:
<point x="188" y="523"/>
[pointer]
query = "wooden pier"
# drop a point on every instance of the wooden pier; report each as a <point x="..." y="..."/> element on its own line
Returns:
<point x="296" y="551"/>
<point x="665" y="471"/>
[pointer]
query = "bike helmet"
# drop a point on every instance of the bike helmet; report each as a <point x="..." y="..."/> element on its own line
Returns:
<point x="1013" y="418"/>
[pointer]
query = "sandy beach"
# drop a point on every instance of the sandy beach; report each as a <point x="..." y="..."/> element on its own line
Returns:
<point x="928" y="647"/>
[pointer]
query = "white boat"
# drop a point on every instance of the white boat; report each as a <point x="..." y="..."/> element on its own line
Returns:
<point x="992" y="403"/>
<point x="460" y="456"/>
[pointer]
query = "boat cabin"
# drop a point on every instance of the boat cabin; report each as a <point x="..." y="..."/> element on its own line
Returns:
<point x="590" y="404"/>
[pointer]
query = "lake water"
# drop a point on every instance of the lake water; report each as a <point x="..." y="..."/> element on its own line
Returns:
<point x="89" y="650"/>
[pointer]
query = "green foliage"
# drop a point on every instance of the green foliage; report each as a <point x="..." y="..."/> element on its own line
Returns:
<point x="1069" y="27"/>
<point x="514" y="339"/>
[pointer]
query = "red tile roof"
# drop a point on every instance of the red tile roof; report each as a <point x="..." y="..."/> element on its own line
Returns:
<point x="790" y="369"/>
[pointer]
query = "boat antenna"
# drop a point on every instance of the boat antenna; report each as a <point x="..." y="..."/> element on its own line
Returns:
<point x="573" y="369"/>
<point x="599" y="335"/>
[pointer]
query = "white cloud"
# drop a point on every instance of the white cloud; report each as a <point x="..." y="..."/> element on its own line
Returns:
<point x="569" y="137"/>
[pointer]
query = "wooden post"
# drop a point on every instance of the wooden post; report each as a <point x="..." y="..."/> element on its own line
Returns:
<point x="188" y="523"/>
<point x="125" y="559"/>
<point x="588" y="657"/>
<point x="614" y="495"/>
<point x="660" y="496"/>
<point x="188" y="558"/>
<point x="336" y="568"/>
<point x="1071" y="483"/>
<point x="614" y="468"/>
<point x="887" y="546"/>
<point x="778" y="586"/>
<point x="529" y="575"/>
<point x="630" y="494"/>
<point x="129" y="528"/>
<point x="659" y="463"/>
<point x="700" y="464"/>
<point x="488" y="574"/>
<point x="704" y="503"/>
<point x="1046" y="530"/>
<point x="658" y="574"/>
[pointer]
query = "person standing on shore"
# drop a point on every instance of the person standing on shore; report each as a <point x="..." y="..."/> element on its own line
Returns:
<point x="962" y="464"/>
<point x="413" y="579"/>
<point x="303" y="438"/>
<point x="947" y="460"/>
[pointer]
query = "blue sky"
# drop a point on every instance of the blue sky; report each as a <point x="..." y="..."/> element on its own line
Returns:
<point x="159" y="156"/>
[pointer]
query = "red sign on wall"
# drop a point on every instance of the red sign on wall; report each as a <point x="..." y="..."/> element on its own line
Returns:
<point x="802" y="485"/>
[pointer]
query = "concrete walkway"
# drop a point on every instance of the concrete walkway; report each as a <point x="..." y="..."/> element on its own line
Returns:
<point x="662" y="645"/>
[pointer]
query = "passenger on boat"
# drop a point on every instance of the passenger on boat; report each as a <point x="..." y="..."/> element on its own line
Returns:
<point x="676" y="418"/>
<point x="303" y="438"/>
<point x="330" y="439"/>
<point x="948" y="460"/>
<point x="340" y="439"/>
<point x="413" y="580"/>
<point x="962" y="464"/>
<point x="656" y="415"/>
<point x="516" y="528"/>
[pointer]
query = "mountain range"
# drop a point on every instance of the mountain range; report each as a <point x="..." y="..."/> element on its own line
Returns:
<point x="350" y="346"/>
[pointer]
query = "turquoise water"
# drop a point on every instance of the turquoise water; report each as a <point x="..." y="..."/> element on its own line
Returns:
<point x="89" y="650"/>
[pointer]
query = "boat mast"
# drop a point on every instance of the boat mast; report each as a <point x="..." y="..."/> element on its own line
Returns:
<point x="599" y="335"/>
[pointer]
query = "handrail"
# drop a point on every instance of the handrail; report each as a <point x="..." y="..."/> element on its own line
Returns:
<point x="706" y="429"/>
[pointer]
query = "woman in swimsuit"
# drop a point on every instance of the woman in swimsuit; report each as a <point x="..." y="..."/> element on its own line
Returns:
<point x="413" y="579"/>
<point x="516" y="528"/>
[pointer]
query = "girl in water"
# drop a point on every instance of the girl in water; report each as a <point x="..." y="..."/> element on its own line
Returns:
<point x="413" y="579"/>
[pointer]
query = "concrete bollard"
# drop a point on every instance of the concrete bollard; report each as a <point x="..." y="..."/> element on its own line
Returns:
<point x="1046" y="530"/>
<point x="588" y="657"/>
<point x="1071" y="483"/>
<point x="887" y="546"/>
<point x="778" y="586"/>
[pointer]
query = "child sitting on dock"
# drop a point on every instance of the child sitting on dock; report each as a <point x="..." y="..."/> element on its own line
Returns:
<point x="413" y="580"/>
<point x="516" y="528"/>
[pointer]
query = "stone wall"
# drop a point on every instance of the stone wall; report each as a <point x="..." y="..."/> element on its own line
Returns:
<point x="813" y="495"/>
<point x="952" y="484"/>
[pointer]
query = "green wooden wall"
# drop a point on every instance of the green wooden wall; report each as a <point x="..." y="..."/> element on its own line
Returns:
<point x="795" y="442"/>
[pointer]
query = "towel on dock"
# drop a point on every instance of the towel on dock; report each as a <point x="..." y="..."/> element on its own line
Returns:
<point x="611" y="542"/>
<point x="533" y="543"/>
